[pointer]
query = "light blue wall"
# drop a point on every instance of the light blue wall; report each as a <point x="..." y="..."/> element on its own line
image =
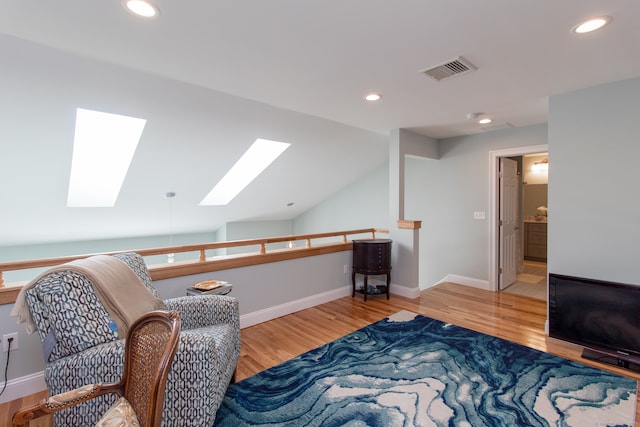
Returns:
<point x="594" y="207"/>
<point x="363" y="204"/>
<point x="260" y="287"/>
<point x="445" y="193"/>
<point x="242" y="230"/>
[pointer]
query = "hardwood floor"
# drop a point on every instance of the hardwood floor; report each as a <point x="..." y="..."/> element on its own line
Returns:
<point x="513" y="317"/>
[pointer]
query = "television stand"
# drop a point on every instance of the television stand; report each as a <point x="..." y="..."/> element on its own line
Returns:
<point x="625" y="361"/>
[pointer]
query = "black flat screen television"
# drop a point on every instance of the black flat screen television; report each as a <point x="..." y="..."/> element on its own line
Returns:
<point x="603" y="317"/>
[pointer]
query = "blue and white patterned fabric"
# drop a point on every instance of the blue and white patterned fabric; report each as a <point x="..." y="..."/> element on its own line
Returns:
<point x="68" y="314"/>
<point x="87" y="351"/>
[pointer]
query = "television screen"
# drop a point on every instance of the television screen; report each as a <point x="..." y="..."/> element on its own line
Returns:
<point x="600" y="315"/>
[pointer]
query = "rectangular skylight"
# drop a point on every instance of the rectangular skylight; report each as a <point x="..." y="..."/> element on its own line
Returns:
<point x="255" y="160"/>
<point x="103" y="148"/>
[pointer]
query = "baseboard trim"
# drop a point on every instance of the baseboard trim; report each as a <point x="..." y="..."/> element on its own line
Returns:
<point x="23" y="386"/>
<point x="467" y="281"/>
<point x="406" y="292"/>
<point x="274" y="312"/>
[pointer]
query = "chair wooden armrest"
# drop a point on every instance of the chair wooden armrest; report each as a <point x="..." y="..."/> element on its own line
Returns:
<point x="62" y="401"/>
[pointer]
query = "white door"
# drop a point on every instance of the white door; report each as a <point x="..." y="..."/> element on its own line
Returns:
<point x="508" y="222"/>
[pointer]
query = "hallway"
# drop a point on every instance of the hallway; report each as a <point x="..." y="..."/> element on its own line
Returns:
<point x="531" y="282"/>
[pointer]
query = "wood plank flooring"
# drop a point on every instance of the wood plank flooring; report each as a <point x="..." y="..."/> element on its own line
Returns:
<point x="513" y="317"/>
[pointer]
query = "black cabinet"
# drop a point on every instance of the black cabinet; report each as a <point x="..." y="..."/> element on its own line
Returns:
<point x="371" y="257"/>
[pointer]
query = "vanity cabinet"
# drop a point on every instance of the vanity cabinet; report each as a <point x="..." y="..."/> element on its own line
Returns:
<point x="535" y="241"/>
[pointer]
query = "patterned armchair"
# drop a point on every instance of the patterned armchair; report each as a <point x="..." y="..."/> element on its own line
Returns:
<point x="82" y="348"/>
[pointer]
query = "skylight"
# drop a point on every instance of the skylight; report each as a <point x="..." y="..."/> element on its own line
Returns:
<point x="103" y="147"/>
<point x="255" y="160"/>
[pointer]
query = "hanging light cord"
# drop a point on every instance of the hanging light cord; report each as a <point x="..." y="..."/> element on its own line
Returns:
<point x="6" y="367"/>
<point x="170" y="195"/>
<point x="170" y="223"/>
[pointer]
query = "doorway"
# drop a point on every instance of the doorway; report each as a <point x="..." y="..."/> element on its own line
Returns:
<point x="529" y="271"/>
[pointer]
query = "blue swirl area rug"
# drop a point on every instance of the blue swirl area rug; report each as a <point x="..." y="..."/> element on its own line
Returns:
<point x="410" y="370"/>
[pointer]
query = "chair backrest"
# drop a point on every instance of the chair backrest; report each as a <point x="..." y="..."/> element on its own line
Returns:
<point x="69" y="316"/>
<point x="151" y="344"/>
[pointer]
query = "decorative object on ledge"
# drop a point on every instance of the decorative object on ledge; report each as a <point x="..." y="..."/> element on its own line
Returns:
<point x="371" y="257"/>
<point x="210" y="287"/>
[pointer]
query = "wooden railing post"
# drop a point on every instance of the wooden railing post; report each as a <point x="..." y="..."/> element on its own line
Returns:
<point x="308" y="243"/>
<point x="263" y="249"/>
<point x="203" y="255"/>
<point x="1" y="280"/>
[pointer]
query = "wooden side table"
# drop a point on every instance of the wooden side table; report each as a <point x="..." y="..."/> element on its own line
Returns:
<point x="371" y="257"/>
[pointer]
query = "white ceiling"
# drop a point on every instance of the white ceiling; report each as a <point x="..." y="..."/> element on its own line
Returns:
<point x="205" y="72"/>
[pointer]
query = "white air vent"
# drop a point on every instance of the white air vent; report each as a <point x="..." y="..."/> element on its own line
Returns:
<point x="455" y="67"/>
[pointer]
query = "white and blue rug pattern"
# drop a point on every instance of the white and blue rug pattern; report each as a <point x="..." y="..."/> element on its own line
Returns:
<point x="410" y="370"/>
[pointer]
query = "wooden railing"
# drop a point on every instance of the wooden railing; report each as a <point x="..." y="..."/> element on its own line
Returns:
<point x="257" y="253"/>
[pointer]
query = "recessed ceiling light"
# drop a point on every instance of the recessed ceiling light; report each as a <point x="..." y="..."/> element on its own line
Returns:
<point x="142" y="8"/>
<point x="485" y="121"/>
<point x="373" y="97"/>
<point x="591" y="24"/>
<point x="255" y="160"/>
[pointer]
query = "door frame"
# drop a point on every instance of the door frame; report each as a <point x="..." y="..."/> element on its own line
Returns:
<point x="494" y="208"/>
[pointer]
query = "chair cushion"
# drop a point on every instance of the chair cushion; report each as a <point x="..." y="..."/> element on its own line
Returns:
<point x="121" y="414"/>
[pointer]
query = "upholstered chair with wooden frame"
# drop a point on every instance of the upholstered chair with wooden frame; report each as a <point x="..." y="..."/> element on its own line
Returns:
<point x="150" y="347"/>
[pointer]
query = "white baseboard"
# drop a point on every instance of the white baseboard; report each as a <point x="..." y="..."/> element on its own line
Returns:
<point x="23" y="386"/>
<point x="274" y="312"/>
<point x="467" y="281"/>
<point x="271" y="313"/>
<point x="404" y="291"/>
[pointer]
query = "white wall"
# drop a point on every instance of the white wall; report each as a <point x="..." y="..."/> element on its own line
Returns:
<point x="445" y="193"/>
<point x="594" y="215"/>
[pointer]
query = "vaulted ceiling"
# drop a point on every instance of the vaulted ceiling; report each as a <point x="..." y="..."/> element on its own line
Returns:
<point x="211" y="76"/>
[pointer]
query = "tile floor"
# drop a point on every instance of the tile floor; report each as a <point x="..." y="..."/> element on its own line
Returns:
<point x="531" y="282"/>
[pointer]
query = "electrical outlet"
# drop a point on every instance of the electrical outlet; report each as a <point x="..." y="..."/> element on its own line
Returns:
<point x="5" y="341"/>
<point x="344" y="269"/>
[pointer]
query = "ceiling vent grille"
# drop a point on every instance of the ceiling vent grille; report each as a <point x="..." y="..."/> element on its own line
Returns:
<point x="454" y="67"/>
